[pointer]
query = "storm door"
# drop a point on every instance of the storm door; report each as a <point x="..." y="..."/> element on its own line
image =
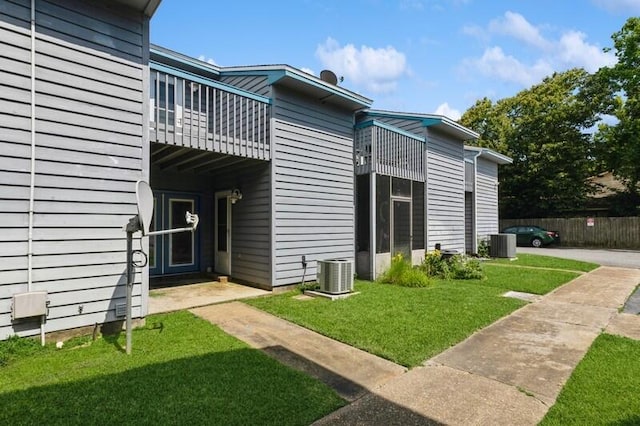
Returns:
<point x="173" y="253"/>
<point x="401" y="232"/>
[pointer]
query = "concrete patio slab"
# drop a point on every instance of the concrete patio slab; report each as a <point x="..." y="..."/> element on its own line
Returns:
<point x="441" y="395"/>
<point x="193" y="295"/>
<point x="350" y="371"/>
<point x="626" y="325"/>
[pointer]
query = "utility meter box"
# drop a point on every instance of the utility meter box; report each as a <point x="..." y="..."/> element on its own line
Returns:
<point x="27" y="305"/>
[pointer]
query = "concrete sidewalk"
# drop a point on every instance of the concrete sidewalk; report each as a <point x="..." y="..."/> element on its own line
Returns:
<point x="350" y="371"/>
<point x="507" y="373"/>
<point x="510" y="372"/>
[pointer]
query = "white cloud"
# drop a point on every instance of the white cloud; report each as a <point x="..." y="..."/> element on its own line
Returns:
<point x="207" y="60"/>
<point x="476" y="31"/>
<point x="375" y="69"/>
<point x="411" y="5"/>
<point x="307" y="70"/>
<point x="516" y="26"/>
<point x="629" y="7"/>
<point x="494" y="63"/>
<point x="570" y="50"/>
<point x="574" y="50"/>
<point x="447" y="111"/>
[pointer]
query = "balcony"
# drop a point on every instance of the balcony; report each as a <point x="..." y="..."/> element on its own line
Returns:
<point x="190" y="111"/>
<point x="385" y="150"/>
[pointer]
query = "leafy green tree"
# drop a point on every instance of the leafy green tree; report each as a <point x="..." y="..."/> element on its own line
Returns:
<point x="543" y="129"/>
<point x="619" y="88"/>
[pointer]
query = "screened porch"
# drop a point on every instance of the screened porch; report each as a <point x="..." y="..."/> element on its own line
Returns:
<point x="390" y="201"/>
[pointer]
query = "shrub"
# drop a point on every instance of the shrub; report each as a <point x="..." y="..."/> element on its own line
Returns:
<point x="483" y="247"/>
<point x="434" y="265"/>
<point x="403" y="274"/>
<point x="456" y="267"/>
<point x="464" y="268"/>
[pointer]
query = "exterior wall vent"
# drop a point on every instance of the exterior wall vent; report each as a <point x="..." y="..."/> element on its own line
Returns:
<point x="27" y="305"/>
<point x="335" y="276"/>
<point x="502" y="245"/>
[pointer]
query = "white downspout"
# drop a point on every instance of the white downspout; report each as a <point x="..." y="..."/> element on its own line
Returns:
<point x="32" y="180"/>
<point x="32" y="183"/>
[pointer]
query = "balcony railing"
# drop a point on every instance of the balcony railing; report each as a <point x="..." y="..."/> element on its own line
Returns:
<point x="188" y="110"/>
<point x="392" y="152"/>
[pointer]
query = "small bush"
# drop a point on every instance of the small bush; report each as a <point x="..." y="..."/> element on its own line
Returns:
<point x="483" y="247"/>
<point x="456" y="267"/>
<point x="465" y="268"/>
<point x="403" y="274"/>
<point x="434" y="265"/>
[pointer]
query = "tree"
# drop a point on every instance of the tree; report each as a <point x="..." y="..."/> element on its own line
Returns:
<point x="544" y="130"/>
<point x="619" y="144"/>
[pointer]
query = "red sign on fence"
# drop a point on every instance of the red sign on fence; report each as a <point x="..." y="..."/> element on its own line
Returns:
<point x="591" y="221"/>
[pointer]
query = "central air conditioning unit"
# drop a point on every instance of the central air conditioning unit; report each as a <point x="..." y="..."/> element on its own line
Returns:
<point x="335" y="276"/>
<point x="502" y="245"/>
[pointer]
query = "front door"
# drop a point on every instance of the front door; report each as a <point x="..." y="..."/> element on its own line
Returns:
<point x="401" y="232"/>
<point x="173" y="253"/>
<point x="222" y="235"/>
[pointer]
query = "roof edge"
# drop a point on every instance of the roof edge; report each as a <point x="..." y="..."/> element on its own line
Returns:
<point x="490" y="154"/>
<point x="428" y="120"/>
<point x="277" y="72"/>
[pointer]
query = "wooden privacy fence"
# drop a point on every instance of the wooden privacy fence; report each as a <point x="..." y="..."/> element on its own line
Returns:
<point x="609" y="232"/>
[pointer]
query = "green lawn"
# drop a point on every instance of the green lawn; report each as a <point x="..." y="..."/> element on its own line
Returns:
<point x="540" y="261"/>
<point x="537" y="281"/>
<point x="410" y="325"/>
<point x="405" y="325"/>
<point x="603" y="389"/>
<point x="183" y="370"/>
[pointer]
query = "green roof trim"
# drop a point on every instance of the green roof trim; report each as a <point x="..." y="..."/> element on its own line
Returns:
<point x="186" y="61"/>
<point x="275" y="73"/>
<point x="207" y="82"/>
<point x="389" y="127"/>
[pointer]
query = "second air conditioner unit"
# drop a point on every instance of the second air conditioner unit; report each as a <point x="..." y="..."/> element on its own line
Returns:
<point x="502" y="245"/>
<point x="335" y="276"/>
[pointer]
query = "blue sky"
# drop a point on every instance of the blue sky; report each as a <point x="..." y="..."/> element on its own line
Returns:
<point x="424" y="56"/>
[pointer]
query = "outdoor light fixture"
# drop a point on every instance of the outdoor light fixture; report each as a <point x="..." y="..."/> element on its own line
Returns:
<point x="235" y="195"/>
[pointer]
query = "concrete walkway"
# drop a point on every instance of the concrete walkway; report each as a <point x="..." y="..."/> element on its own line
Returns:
<point x="508" y="373"/>
<point x="350" y="371"/>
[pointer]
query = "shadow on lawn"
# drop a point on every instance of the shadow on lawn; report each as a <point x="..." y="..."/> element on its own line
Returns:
<point x="629" y="421"/>
<point x="236" y="387"/>
<point x="233" y="387"/>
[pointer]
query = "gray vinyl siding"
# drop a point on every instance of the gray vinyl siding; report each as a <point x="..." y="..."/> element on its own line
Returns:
<point x="445" y="191"/>
<point x="411" y="126"/>
<point x="313" y="185"/>
<point x="487" y="198"/>
<point x="15" y="152"/>
<point x="89" y="120"/>
<point x="257" y="84"/>
<point x="250" y="228"/>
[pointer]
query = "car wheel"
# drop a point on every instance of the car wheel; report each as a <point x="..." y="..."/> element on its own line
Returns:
<point x="536" y="242"/>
